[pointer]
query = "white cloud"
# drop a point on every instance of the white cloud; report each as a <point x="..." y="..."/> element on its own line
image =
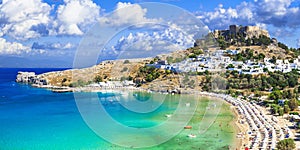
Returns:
<point x="222" y="17"/>
<point x="278" y="32"/>
<point x="24" y="19"/>
<point x="12" y="47"/>
<point x="75" y="15"/>
<point x="278" y="13"/>
<point x="261" y="25"/>
<point x="145" y="44"/>
<point x="52" y="46"/>
<point x="273" y="7"/>
<point x="298" y="43"/>
<point x="127" y="14"/>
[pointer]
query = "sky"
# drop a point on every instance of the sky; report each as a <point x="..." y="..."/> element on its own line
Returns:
<point x="49" y="33"/>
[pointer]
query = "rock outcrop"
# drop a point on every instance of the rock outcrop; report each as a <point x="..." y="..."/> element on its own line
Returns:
<point x="30" y="78"/>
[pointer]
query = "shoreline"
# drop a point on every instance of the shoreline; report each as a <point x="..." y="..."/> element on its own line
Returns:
<point x="237" y="143"/>
<point x="248" y="134"/>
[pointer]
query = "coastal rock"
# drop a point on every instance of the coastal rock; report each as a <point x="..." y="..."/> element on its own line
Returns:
<point x="30" y="78"/>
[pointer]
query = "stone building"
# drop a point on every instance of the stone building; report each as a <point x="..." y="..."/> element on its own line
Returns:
<point x="245" y="31"/>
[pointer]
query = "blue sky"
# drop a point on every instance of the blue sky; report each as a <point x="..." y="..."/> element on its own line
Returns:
<point x="47" y="33"/>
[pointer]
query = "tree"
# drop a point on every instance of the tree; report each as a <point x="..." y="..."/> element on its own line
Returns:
<point x="130" y="78"/>
<point x="293" y="104"/>
<point x="149" y="78"/>
<point x="261" y="56"/>
<point x="273" y="60"/>
<point x="286" y="144"/>
<point x="98" y="79"/>
<point x="206" y="72"/>
<point x="275" y="95"/>
<point x="198" y="52"/>
<point x="293" y="81"/>
<point x="123" y="78"/>
<point x="264" y="40"/>
<point x="81" y="82"/>
<point x="192" y="56"/>
<point x="168" y="71"/>
<point x="230" y="66"/>
<point x="281" y="112"/>
<point x="170" y="59"/>
<point x="248" y="42"/>
<point x="275" y="108"/>
<point x="124" y="69"/>
<point x="126" y="62"/>
<point x="283" y="46"/>
<point x="286" y="108"/>
<point x="64" y="80"/>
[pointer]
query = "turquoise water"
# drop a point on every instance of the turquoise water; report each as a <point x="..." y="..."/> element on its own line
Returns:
<point x="32" y="118"/>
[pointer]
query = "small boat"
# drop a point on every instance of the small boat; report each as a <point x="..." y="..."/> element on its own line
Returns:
<point x="188" y="127"/>
<point x="61" y="90"/>
<point x="192" y="136"/>
<point x="187" y="104"/>
<point x="168" y="115"/>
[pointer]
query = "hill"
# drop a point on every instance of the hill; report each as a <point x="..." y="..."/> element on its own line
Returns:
<point x="252" y="43"/>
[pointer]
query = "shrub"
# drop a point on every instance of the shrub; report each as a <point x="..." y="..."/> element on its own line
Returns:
<point x="293" y="104"/>
<point x="286" y="144"/>
<point x="98" y="79"/>
<point x="126" y="62"/>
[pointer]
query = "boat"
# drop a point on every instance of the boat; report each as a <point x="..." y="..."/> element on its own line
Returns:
<point x="168" y="115"/>
<point x="187" y="104"/>
<point x="192" y="136"/>
<point x="188" y="127"/>
<point x="62" y="90"/>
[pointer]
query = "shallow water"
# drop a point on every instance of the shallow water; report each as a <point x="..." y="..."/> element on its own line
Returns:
<point x="33" y="118"/>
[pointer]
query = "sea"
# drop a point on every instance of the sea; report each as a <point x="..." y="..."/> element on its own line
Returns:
<point x="38" y="119"/>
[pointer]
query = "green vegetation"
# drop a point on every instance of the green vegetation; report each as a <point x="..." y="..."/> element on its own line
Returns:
<point x="171" y="60"/>
<point x="275" y="80"/>
<point x="194" y="52"/>
<point x="126" y="62"/>
<point x="293" y="104"/>
<point x="79" y="83"/>
<point x="286" y="109"/>
<point x="286" y="144"/>
<point x="64" y="80"/>
<point x="239" y="40"/>
<point x="129" y="78"/>
<point x="98" y="79"/>
<point x="230" y="66"/>
<point x="149" y="73"/>
<point x="281" y="112"/>
<point x="283" y="46"/>
<point x="248" y="54"/>
<point x="294" y="113"/>
<point x="192" y="56"/>
<point x="124" y="69"/>
<point x="275" y="108"/>
<point x="222" y="43"/>
<point x="276" y="85"/>
<point x="187" y="82"/>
